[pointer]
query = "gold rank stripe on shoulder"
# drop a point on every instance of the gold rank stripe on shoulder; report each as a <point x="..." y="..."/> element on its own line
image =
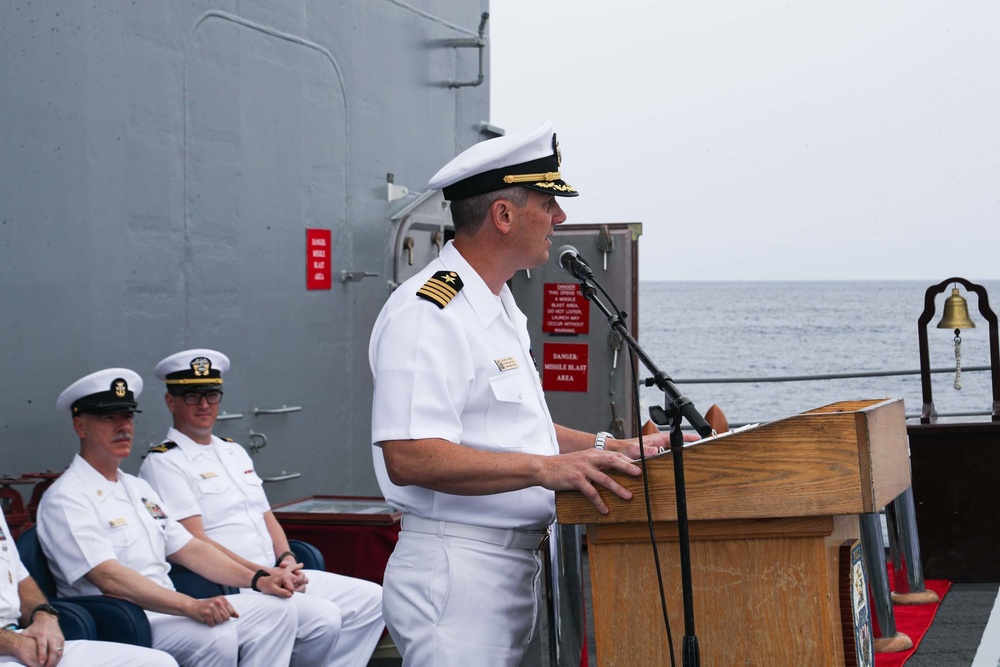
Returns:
<point x="442" y="287"/>
<point x="162" y="447"/>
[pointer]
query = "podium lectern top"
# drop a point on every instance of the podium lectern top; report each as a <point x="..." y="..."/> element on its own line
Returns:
<point x="844" y="458"/>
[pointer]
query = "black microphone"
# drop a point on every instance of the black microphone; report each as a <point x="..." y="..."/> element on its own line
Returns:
<point x="569" y="260"/>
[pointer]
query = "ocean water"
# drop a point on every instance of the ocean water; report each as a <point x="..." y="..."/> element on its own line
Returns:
<point x="697" y="330"/>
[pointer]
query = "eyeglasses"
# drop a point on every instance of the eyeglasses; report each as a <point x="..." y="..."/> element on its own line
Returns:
<point x="194" y="397"/>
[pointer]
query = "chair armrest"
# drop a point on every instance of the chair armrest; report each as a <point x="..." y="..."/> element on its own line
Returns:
<point x="74" y="621"/>
<point x="310" y="557"/>
<point x="116" y="620"/>
<point x="196" y="586"/>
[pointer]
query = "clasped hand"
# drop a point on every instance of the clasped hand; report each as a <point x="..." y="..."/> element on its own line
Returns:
<point x="299" y="578"/>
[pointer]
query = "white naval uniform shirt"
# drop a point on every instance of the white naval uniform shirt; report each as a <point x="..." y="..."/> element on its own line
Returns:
<point x="218" y="482"/>
<point x="463" y="373"/>
<point x="84" y="520"/>
<point x="12" y="573"/>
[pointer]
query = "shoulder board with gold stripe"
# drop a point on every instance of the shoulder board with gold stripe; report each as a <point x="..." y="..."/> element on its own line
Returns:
<point x="162" y="447"/>
<point x="229" y="440"/>
<point x="442" y="287"/>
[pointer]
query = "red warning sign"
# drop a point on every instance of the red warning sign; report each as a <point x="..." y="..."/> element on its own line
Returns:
<point x="318" y="271"/>
<point x="565" y="310"/>
<point x="564" y="366"/>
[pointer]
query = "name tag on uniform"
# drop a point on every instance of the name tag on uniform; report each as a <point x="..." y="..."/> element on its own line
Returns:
<point x="208" y="475"/>
<point x="506" y="364"/>
<point x="117" y="523"/>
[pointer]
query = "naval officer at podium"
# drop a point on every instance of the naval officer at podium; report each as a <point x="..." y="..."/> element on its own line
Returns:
<point x="463" y="443"/>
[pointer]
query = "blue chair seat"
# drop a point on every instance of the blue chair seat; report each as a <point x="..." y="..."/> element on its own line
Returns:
<point x="74" y="621"/>
<point x="310" y="557"/>
<point x="113" y="620"/>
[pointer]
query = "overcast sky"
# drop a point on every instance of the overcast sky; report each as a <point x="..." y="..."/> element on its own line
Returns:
<point x="763" y="140"/>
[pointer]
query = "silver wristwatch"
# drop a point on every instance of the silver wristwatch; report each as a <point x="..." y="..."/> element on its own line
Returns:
<point x="601" y="437"/>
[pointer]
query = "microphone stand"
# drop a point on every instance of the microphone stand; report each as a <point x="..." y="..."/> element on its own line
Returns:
<point x="676" y="407"/>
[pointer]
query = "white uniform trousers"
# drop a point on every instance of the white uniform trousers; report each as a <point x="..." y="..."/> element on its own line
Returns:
<point x="262" y="636"/>
<point x="106" y="654"/>
<point x="456" y="602"/>
<point x="340" y="621"/>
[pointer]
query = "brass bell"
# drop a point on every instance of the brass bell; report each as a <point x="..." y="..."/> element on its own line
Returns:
<point x="956" y="313"/>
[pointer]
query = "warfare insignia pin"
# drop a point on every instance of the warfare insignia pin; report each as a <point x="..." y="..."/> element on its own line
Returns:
<point x="442" y="287"/>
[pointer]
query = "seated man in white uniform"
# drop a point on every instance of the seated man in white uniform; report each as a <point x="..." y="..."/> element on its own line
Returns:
<point x="107" y="532"/>
<point x="30" y="633"/>
<point x="212" y="489"/>
<point x="463" y="442"/>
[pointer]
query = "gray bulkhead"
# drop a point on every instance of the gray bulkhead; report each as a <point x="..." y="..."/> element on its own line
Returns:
<point x="161" y="163"/>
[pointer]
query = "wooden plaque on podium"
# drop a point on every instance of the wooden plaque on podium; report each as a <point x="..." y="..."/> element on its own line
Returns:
<point x="768" y="510"/>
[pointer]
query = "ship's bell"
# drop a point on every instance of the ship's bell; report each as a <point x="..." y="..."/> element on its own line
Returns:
<point x="956" y="313"/>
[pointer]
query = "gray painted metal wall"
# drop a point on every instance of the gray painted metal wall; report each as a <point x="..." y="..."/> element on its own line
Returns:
<point x="161" y="162"/>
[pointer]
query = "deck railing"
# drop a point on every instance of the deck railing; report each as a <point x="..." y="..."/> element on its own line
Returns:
<point x="841" y="376"/>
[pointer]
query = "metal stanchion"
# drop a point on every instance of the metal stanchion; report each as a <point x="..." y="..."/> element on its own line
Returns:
<point x="564" y="574"/>
<point x="887" y="638"/>
<point x="904" y="550"/>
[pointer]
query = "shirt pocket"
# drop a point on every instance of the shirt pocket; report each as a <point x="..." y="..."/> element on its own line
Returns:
<point x="508" y="393"/>
<point x="256" y="498"/>
<point x="252" y="479"/>
<point x="8" y="586"/>
<point x="213" y="485"/>
<point x="122" y="537"/>
<point x="7" y="554"/>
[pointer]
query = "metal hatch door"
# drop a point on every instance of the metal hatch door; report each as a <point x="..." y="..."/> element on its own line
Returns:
<point x="584" y="368"/>
<point x="266" y="158"/>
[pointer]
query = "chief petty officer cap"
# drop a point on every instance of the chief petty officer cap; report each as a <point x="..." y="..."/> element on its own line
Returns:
<point x="531" y="159"/>
<point x="197" y="369"/>
<point x="110" y="391"/>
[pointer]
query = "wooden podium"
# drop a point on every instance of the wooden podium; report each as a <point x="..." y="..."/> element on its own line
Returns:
<point x="769" y="509"/>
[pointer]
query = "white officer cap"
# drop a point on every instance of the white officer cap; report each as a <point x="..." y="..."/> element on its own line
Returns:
<point x="192" y="369"/>
<point x="105" y="392"/>
<point x="531" y="159"/>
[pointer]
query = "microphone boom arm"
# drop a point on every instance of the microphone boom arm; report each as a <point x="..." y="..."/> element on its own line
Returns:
<point x="679" y="407"/>
<point x="685" y="408"/>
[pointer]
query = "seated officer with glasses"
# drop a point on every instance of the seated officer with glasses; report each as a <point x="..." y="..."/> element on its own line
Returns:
<point x="106" y="532"/>
<point x="213" y="490"/>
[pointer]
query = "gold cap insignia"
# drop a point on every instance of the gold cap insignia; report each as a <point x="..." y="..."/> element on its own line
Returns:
<point x="201" y="367"/>
<point x="120" y="387"/>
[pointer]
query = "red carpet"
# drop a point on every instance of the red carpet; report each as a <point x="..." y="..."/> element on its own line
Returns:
<point x="913" y="620"/>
